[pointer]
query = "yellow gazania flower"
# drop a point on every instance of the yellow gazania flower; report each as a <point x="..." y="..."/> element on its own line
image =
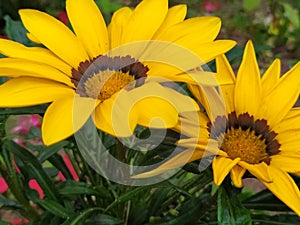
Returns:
<point x="259" y="133"/>
<point x="73" y="68"/>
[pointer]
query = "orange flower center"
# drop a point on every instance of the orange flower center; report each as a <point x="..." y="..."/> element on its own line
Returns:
<point x="243" y="137"/>
<point x="244" y="144"/>
<point x="103" y="85"/>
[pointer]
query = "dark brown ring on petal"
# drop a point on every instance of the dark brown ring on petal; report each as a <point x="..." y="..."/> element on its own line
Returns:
<point x="116" y="63"/>
<point x="125" y="64"/>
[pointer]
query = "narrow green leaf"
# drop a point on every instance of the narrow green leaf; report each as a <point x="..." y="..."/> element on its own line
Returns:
<point x="48" y="151"/>
<point x="79" y="219"/>
<point x="281" y="219"/>
<point x="230" y="209"/>
<point x="55" y="208"/>
<point x="103" y="220"/>
<point x="79" y="188"/>
<point x="59" y="164"/>
<point x="265" y="200"/>
<point x="40" y="109"/>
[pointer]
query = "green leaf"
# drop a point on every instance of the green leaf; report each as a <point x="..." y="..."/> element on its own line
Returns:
<point x="282" y="219"/>
<point x="265" y="200"/>
<point x="55" y="208"/>
<point x="79" y="219"/>
<point x="230" y="209"/>
<point x="107" y="7"/>
<point x="249" y="5"/>
<point x="79" y="188"/>
<point x="103" y="220"/>
<point x="16" y="31"/>
<point x="57" y="161"/>
<point x="40" y="109"/>
<point x="47" y="151"/>
<point x="291" y="13"/>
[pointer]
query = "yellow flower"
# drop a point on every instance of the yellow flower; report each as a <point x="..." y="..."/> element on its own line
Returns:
<point x="259" y="133"/>
<point x="107" y="71"/>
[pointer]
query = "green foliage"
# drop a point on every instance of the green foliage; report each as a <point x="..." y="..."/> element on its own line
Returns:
<point x="16" y="31"/>
<point x="108" y="7"/>
<point x="250" y="4"/>
<point x="230" y="209"/>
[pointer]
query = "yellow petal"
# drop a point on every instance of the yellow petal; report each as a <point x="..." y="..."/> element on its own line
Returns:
<point x="176" y="14"/>
<point x="12" y="67"/>
<point x="117" y="26"/>
<point x="290" y="122"/>
<point x="282" y="98"/>
<point x="117" y="115"/>
<point x="289" y="142"/>
<point x="89" y="26"/>
<point x="260" y="171"/>
<point x="210" y="99"/>
<point x="203" y="29"/>
<point x="248" y="84"/>
<point x="158" y="107"/>
<point x="193" y="125"/>
<point x="199" y="78"/>
<point x="36" y="54"/>
<point x="286" y="162"/>
<point x="54" y="35"/>
<point x="197" y="35"/>
<point x="27" y="91"/>
<point x="65" y="116"/>
<point x="221" y="167"/>
<point x="139" y="26"/>
<point x="226" y="78"/>
<point x="271" y="76"/>
<point x="180" y="102"/>
<point x="225" y="74"/>
<point x="236" y="175"/>
<point x="208" y="146"/>
<point x="155" y="112"/>
<point x="284" y="188"/>
<point x="210" y="50"/>
<point x="175" y="162"/>
<point x="32" y="38"/>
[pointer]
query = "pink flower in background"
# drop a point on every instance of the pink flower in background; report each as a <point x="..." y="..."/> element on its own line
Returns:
<point x="19" y="221"/>
<point x="3" y="185"/>
<point x="25" y="122"/>
<point x="33" y="184"/>
<point x="23" y="125"/>
<point x="211" y="5"/>
<point x="63" y="17"/>
<point x="35" y="120"/>
<point x="70" y="167"/>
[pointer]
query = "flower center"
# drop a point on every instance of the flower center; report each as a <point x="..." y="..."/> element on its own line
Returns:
<point x="245" y="138"/>
<point x="103" y="85"/>
<point x="245" y="145"/>
<point x="104" y="76"/>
